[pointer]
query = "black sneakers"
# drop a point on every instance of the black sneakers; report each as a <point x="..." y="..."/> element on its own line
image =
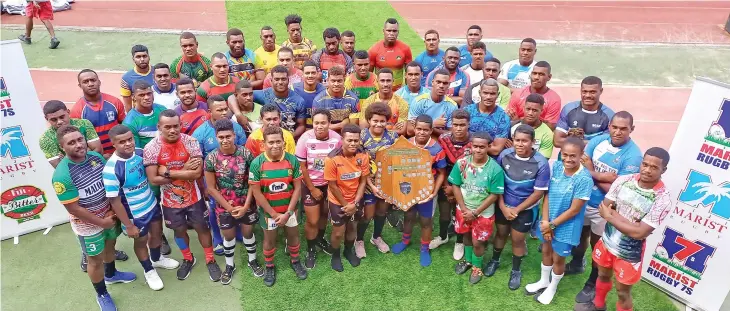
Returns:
<point x="120" y="255"/>
<point x="227" y="274"/>
<point x="462" y="267"/>
<point x="299" y="270"/>
<point x="586" y="294"/>
<point x="575" y="267"/>
<point x="515" y="280"/>
<point x="336" y="264"/>
<point x="184" y="271"/>
<point x="325" y="246"/>
<point x="352" y="258"/>
<point x="270" y="276"/>
<point x="311" y="260"/>
<point x="54" y="43"/>
<point x="491" y="268"/>
<point x="25" y="39"/>
<point x="214" y="271"/>
<point x="256" y="268"/>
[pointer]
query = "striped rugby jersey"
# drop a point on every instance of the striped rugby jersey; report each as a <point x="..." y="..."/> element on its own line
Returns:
<point x="126" y="178"/>
<point x="209" y="88"/>
<point x="314" y="152"/>
<point x="143" y="126"/>
<point x="276" y="179"/>
<point x="103" y="116"/>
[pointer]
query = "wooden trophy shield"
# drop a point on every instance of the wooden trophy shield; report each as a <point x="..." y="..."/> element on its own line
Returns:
<point x="404" y="174"/>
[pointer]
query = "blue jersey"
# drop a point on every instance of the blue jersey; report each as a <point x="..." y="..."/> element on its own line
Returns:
<point x="429" y="63"/>
<point x="459" y="80"/>
<point x="126" y="178"/>
<point x="424" y="104"/>
<point x="562" y="191"/>
<point x="308" y="97"/>
<point x="339" y="107"/>
<point x="621" y="160"/>
<point x="497" y="123"/>
<point x="205" y="134"/>
<point x="292" y="106"/>
<point x="438" y="155"/>
<point x="132" y="76"/>
<point x="372" y="144"/>
<point x="409" y="96"/>
<point x="523" y="176"/>
<point x="593" y="123"/>
<point x="466" y="56"/>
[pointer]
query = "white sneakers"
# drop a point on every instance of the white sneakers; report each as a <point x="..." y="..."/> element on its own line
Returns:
<point x="166" y="263"/>
<point x="458" y="251"/>
<point x="436" y="242"/>
<point x="153" y="280"/>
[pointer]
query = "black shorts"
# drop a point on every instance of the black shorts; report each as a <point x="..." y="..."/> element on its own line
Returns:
<point x="522" y="223"/>
<point x="308" y="198"/>
<point x="196" y="214"/>
<point x="227" y="221"/>
<point x="338" y="217"/>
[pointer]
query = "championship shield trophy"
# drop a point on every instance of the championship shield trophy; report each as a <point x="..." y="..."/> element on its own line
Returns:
<point x="404" y="174"/>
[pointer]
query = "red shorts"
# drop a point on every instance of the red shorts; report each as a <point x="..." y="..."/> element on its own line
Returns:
<point x="44" y="11"/>
<point x="481" y="228"/>
<point x="626" y="273"/>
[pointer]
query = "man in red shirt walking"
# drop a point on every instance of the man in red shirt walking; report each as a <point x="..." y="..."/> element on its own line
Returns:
<point x="390" y="53"/>
<point x="43" y="10"/>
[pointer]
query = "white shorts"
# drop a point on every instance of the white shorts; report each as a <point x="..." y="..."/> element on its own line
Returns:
<point x="270" y="223"/>
<point x="593" y="218"/>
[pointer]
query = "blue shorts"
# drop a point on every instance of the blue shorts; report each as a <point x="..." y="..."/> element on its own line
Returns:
<point x="369" y="198"/>
<point x="425" y="210"/>
<point x="560" y="248"/>
<point x="143" y="223"/>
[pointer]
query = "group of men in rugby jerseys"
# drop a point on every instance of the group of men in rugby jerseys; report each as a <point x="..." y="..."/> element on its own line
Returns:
<point x="247" y="137"/>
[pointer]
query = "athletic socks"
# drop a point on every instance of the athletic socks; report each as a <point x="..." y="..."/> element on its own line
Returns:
<point x="155" y="253"/>
<point x="187" y="255"/>
<point x="468" y="253"/>
<point x="406" y="239"/>
<point x="209" y="256"/>
<point x="269" y="257"/>
<point x="424" y="246"/>
<point x="109" y="269"/>
<point x="477" y="261"/>
<point x="619" y="308"/>
<point x="577" y="254"/>
<point x="593" y="277"/>
<point x="602" y="289"/>
<point x="544" y="279"/>
<point x="320" y="234"/>
<point x="336" y="252"/>
<point x="294" y="252"/>
<point x="443" y="229"/>
<point x="146" y="265"/>
<point x="361" y="228"/>
<point x="516" y="262"/>
<point x="379" y="224"/>
<point x="459" y="238"/>
<point x="250" y="245"/>
<point x="312" y="245"/>
<point x="184" y="249"/>
<point x="497" y="254"/>
<point x="100" y="288"/>
<point x="229" y="247"/>
<point x="549" y="293"/>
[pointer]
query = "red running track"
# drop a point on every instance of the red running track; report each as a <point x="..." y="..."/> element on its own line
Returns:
<point x="628" y="21"/>
<point x="657" y="110"/>
<point x="188" y="15"/>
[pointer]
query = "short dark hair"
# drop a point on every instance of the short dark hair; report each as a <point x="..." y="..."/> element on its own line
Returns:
<point x="544" y="64"/>
<point x="243" y="84"/>
<point x="452" y="49"/>
<point x="322" y="111"/>
<point x="361" y="54"/>
<point x="378" y="108"/>
<point x="424" y="118"/>
<point x="188" y="35"/>
<point x="493" y="60"/>
<point x="309" y="63"/>
<point x="139" y="48"/>
<point x="461" y="114"/>
<point x="65" y="129"/>
<point x="85" y="71"/>
<point x="267" y="27"/>
<point x="525" y="129"/>
<point x="350" y="128"/>
<point x="391" y="21"/>
<point x="415" y="64"/>
<point x="592" y="80"/>
<point x="385" y="70"/>
<point x="215" y="98"/>
<point x="575" y="141"/>
<point x="273" y="130"/>
<point x="431" y="31"/>
<point x="168" y="113"/>
<point x="233" y="32"/>
<point x="529" y="40"/>
<point x="270" y="108"/>
<point x="224" y="124"/>
<point x="117" y="130"/>
<point x="482" y="135"/>
<point x="53" y="106"/>
<point x="160" y="66"/>
<point x="331" y="32"/>
<point x="441" y="71"/>
<point x="184" y="81"/>
<point x="479" y="45"/>
<point x="285" y="50"/>
<point x="624" y="115"/>
<point x="336" y="70"/>
<point x="660" y="153"/>
<point x="348" y="33"/>
<point x="218" y="55"/>
<point x="140" y="85"/>
<point x="535" y="98"/>
<point x="474" y="27"/>
<point x="279" y="69"/>
<point x="292" y="19"/>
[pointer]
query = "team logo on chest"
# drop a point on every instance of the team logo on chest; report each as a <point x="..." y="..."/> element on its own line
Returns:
<point x="110" y="115"/>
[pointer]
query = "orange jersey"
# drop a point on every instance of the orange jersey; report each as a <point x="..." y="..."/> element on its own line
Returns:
<point x="346" y="171"/>
<point x="395" y="58"/>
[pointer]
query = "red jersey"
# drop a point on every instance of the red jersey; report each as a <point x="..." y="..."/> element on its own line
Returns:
<point x="550" y="110"/>
<point x="178" y="193"/>
<point x="395" y="58"/>
<point x="193" y="118"/>
<point x="104" y="115"/>
<point x="209" y="88"/>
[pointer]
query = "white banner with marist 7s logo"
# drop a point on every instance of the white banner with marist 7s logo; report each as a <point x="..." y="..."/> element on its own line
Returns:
<point x="27" y="197"/>
<point x="688" y="255"/>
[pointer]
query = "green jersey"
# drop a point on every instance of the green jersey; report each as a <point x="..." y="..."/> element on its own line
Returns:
<point x="477" y="182"/>
<point x="49" y="143"/>
<point x="543" y="139"/>
<point x="276" y="179"/>
<point x="143" y="126"/>
<point x="198" y="70"/>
